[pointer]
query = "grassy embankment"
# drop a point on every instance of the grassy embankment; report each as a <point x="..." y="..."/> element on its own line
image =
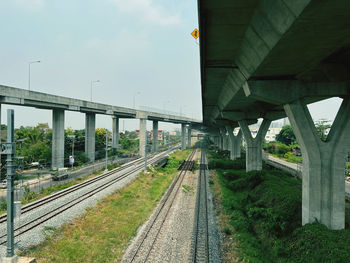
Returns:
<point x="282" y="151"/>
<point x="262" y="212"/>
<point x="30" y="196"/>
<point x="104" y="231"/>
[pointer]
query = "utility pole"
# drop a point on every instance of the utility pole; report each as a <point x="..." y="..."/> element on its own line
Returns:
<point x="9" y="149"/>
<point x="146" y="149"/>
<point x="106" y="169"/>
<point x="72" y="137"/>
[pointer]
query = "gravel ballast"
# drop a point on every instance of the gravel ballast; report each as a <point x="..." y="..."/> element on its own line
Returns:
<point x="173" y="243"/>
<point x="38" y="234"/>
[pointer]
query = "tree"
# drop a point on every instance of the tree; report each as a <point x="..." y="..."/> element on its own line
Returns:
<point x="34" y="144"/>
<point x="286" y="135"/>
<point x="322" y="127"/>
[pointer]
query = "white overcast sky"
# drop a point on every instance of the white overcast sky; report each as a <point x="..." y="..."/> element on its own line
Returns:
<point x="140" y="48"/>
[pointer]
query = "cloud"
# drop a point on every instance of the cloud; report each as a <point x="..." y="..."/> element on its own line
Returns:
<point x="146" y="10"/>
<point x="30" y="4"/>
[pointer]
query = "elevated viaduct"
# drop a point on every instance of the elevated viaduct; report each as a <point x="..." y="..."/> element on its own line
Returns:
<point x="268" y="59"/>
<point x="59" y="104"/>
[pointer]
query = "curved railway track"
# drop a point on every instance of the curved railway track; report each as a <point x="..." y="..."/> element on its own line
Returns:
<point x="45" y="217"/>
<point x="143" y="249"/>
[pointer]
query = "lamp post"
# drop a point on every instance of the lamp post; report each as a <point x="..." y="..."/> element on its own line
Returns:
<point x="133" y="104"/>
<point x="92" y="81"/>
<point x="30" y="63"/>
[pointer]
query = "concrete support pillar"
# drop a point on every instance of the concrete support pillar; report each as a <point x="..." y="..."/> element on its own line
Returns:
<point x="183" y="136"/>
<point x="224" y="142"/>
<point x="235" y="145"/>
<point x="57" y="139"/>
<point x="155" y="136"/>
<point x="142" y="137"/>
<point x="115" y="131"/>
<point x="189" y="141"/>
<point x="219" y="139"/>
<point x="90" y="124"/>
<point x="323" y="164"/>
<point x="254" y="145"/>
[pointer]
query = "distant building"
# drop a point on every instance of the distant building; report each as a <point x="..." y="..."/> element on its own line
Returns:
<point x="160" y="135"/>
<point x="270" y="135"/>
<point x="172" y="133"/>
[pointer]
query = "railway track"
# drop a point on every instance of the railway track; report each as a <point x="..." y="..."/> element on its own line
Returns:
<point x="200" y="238"/>
<point x="149" y="237"/>
<point x="58" y="210"/>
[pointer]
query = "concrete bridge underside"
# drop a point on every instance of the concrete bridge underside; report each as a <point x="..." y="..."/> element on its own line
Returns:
<point x="268" y="59"/>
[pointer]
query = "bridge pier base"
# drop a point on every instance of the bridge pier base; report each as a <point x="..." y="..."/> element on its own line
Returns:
<point x="142" y="137"/>
<point x="115" y="131"/>
<point x="90" y="124"/>
<point x="57" y="139"/>
<point x="235" y="146"/>
<point x="323" y="164"/>
<point x="254" y="145"/>
<point x="189" y="133"/>
<point x="155" y="136"/>
<point x="183" y="136"/>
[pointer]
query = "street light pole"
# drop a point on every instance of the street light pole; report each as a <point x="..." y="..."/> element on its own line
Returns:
<point x="37" y="61"/>
<point x="92" y="81"/>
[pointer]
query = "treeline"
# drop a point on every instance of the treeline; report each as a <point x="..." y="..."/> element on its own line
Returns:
<point x="34" y="144"/>
<point x="286" y="146"/>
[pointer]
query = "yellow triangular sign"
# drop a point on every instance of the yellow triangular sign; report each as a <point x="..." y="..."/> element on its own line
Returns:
<point x="195" y="33"/>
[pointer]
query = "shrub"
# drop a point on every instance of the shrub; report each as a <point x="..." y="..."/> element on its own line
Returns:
<point x="276" y="148"/>
<point x="282" y="149"/>
<point x="3" y="203"/>
<point x="226" y="164"/>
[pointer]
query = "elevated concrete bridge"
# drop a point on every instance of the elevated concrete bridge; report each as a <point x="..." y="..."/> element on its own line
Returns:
<point x="269" y="59"/>
<point x="59" y="104"/>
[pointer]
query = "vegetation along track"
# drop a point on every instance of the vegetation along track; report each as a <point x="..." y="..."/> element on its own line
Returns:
<point x="145" y="245"/>
<point x="38" y="221"/>
<point x="200" y="238"/>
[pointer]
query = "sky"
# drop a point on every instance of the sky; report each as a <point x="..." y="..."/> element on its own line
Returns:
<point x="140" y="50"/>
<point x="136" y="48"/>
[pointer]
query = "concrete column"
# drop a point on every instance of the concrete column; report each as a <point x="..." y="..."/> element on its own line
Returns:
<point x="189" y="144"/>
<point x="142" y="137"/>
<point x="183" y="136"/>
<point x="115" y="131"/>
<point x="224" y="142"/>
<point x="90" y="124"/>
<point x="235" y="145"/>
<point x="323" y="164"/>
<point x="254" y="145"/>
<point x="155" y="136"/>
<point x="57" y="139"/>
<point x="219" y="138"/>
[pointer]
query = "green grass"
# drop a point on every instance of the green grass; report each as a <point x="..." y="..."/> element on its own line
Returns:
<point x="103" y="232"/>
<point x="264" y="209"/>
